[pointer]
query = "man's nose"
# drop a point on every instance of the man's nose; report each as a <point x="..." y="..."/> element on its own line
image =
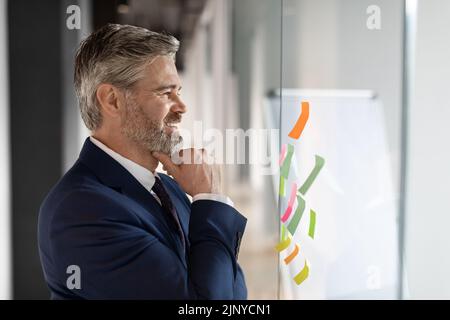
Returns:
<point x="179" y="105"/>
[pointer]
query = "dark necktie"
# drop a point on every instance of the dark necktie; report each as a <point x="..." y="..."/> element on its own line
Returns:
<point x="168" y="207"/>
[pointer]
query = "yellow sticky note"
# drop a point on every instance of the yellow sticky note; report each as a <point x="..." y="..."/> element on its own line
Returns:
<point x="283" y="244"/>
<point x="302" y="275"/>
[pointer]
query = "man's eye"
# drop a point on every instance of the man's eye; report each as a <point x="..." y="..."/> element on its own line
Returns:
<point x="166" y="93"/>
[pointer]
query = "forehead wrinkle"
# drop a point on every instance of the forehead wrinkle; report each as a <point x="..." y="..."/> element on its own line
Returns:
<point x="160" y="75"/>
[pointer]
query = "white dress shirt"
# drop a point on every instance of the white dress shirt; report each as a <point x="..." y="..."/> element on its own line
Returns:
<point x="147" y="179"/>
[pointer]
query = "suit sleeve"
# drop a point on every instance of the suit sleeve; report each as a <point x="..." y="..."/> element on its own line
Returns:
<point x="119" y="259"/>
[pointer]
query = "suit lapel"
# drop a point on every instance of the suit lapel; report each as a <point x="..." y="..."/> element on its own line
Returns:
<point x="114" y="175"/>
<point x="138" y="193"/>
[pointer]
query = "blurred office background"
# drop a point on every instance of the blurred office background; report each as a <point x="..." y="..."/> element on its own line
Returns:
<point x="234" y="52"/>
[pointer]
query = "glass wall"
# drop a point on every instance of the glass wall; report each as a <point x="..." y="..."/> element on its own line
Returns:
<point x="256" y="70"/>
<point x="340" y="120"/>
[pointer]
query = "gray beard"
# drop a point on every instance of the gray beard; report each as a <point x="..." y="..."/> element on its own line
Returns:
<point x="147" y="133"/>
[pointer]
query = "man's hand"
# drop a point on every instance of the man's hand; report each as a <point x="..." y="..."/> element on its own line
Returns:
<point x="194" y="174"/>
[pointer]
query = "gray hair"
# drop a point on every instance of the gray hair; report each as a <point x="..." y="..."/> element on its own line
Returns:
<point x="115" y="54"/>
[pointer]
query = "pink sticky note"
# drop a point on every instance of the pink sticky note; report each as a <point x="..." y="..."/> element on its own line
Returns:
<point x="288" y="211"/>
<point x="283" y="153"/>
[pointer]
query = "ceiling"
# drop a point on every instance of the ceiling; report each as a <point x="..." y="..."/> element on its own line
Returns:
<point x="176" y="17"/>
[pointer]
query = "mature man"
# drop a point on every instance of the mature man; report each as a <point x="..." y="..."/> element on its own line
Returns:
<point x="113" y="228"/>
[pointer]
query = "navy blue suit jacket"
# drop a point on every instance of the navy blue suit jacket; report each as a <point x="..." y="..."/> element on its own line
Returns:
<point x="99" y="218"/>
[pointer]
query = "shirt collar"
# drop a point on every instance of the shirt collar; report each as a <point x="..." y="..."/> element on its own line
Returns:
<point x="145" y="177"/>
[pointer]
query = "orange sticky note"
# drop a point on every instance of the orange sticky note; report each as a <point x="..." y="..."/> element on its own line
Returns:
<point x="301" y="121"/>
<point x="291" y="257"/>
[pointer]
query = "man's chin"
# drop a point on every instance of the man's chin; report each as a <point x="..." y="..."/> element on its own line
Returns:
<point x="167" y="149"/>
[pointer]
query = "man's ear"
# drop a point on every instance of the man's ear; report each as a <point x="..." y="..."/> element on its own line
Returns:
<point x="111" y="99"/>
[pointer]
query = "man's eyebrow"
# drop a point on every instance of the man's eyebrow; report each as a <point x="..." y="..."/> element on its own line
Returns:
<point x="169" y="86"/>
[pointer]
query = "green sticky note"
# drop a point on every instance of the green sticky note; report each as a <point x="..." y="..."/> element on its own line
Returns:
<point x="297" y="215"/>
<point x="283" y="232"/>
<point x="287" y="161"/>
<point x="282" y="188"/>
<point x="312" y="223"/>
<point x="313" y="175"/>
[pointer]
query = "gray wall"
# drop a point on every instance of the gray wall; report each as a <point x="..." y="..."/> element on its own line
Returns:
<point x="428" y="173"/>
<point x="74" y="130"/>
<point x="5" y="168"/>
<point x="35" y="120"/>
